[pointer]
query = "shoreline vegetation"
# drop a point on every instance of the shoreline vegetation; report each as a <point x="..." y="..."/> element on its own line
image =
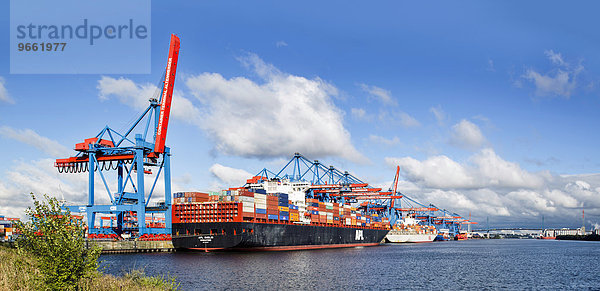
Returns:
<point x="50" y="254"/>
<point x="21" y="272"/>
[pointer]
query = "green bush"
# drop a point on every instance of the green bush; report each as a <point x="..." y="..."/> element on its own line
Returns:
<point x="57" y="241"/>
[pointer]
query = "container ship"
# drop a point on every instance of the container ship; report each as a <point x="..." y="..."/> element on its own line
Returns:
<point x="270" y="215"/>
<point x="408" y="230"/>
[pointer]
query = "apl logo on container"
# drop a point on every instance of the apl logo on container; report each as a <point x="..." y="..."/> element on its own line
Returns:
<point x="359" y="235"/>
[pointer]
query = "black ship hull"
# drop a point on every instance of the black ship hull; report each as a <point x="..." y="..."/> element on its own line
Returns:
<point x="213" y="236"/>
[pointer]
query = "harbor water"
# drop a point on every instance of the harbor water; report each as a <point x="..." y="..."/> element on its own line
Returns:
<point x="491" y="264"/>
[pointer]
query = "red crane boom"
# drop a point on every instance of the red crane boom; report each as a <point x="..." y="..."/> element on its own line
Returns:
<point x="167" y="95"/>
<point x="395" y="184"/>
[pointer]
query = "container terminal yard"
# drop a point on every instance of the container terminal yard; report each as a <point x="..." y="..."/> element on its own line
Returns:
<point x="303" y="205"/>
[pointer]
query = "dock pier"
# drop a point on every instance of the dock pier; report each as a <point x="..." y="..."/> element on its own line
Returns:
<point x="131" y="246"/>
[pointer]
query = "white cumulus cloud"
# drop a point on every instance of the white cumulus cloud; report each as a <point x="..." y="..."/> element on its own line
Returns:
<point x="561" y="81"/>
<point x="484" y="169"/>
<point x="4" y="93"/>
<point x="32" y="138"/>
<point x="439" y="114"/>
<point x="38" y="177"/>
<point x="281" y="115"/>
<point x="467" y="135"/>
<point x="492" y="170"/>
<point x="232" y="177"/>
<point x="358" y="113"/>
<point x="487" y="185"/>
<point x="137" y="96"/>
<point x="555" y="58"/>
<point x="382" y="140"/>
<point x="408" y="121"/>
<point x="41" y="177"/>
<point x="380" y="94"/>
<point x="435" y="172"/>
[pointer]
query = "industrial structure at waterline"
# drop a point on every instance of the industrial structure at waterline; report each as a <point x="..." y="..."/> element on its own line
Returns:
<point x="304" y="205"/>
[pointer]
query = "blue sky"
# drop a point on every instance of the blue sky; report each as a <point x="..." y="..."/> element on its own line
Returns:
<point x="488" y="107"/>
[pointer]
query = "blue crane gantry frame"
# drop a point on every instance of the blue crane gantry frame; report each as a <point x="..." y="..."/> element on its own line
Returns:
<point x="302" y="169"/>
<point x="110" y="150"/>
<point x="129" y="158"/>
<point x="388" y="203"/>
<point x="320" y="175"/>
<point x="330" y="184"/>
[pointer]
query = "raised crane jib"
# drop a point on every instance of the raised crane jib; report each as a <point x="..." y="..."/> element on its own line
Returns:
<point x="395" y="186"/>
<point x="167" y="95"/>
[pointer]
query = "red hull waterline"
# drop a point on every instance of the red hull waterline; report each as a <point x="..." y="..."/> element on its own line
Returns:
<point x="290" y="248"/>
<point x="548" y="237"/>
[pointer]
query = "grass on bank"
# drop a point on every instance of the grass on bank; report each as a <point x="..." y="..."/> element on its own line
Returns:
<point x="20" y="272"/>
<point x="50" y="254"/>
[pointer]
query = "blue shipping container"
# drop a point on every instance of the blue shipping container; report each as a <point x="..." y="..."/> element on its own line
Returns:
<point x="261" y="211"/>
<point x="273" y="216"/>
<point x="284" y="213"/>
<point x="314" y="212"/>
<point x="284" y="217"/>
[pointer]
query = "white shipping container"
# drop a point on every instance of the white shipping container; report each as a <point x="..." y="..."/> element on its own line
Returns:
<point x="246" y="198"/>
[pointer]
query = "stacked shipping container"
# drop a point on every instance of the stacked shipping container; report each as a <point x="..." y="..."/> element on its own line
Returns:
<point x="236" y="205"/>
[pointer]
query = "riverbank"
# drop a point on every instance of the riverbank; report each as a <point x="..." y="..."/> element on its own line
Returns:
<point x="20" y="272"/>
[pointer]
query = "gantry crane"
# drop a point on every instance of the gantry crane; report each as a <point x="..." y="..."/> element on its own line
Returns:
<point x="133" y="158"/>
<point x="331" y="184"/>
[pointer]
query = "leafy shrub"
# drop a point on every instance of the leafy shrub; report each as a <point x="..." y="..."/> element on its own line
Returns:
<point x="56" y="240"/>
